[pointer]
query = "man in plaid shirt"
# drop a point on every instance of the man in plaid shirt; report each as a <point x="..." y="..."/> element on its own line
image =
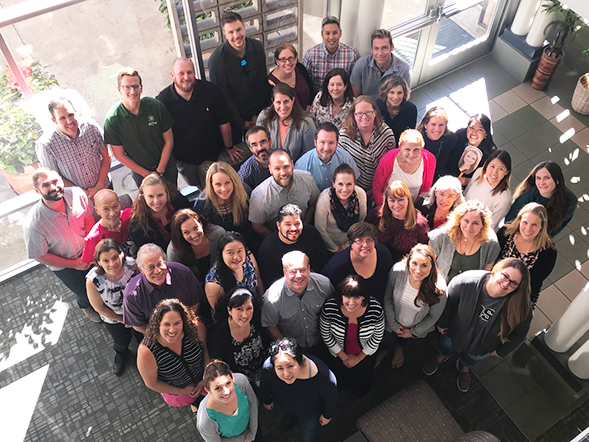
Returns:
<point x="330" y="54"/>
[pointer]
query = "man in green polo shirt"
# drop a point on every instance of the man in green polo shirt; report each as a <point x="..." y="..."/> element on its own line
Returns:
<point x="139" y="131"/>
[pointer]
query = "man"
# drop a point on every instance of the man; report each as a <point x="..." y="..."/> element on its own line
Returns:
<point x="330" y="54"/>
<point x="238" y="68"/>
<point x="291" y="235"/>
<point x="202" y="132"/>
<point x="139" y="131"/>
<point x="372" y="70"/>
<point x="54" y="231"/>
<point x="113" y="224"/>
<point x="292" y="305"/>
<point x="283" y="187"/>
<point x="255" y="169"/>
<point x="74" y="149"/>
<point x="158" y="280"/>
<point x="326" y="157"/>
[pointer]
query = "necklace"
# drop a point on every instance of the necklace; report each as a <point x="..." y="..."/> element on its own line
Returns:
<point x="468" y="251"/>
<point x="285" y="123"/>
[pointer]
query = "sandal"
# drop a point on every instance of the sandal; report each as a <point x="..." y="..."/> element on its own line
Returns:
<point x="398" y="357"/>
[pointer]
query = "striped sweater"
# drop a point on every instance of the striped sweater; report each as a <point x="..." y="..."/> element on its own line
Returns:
<point x="367" y="158"/>
<point x="334" y="327"/>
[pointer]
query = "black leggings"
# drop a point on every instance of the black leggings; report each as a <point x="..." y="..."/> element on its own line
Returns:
<point x="122" y="336"/>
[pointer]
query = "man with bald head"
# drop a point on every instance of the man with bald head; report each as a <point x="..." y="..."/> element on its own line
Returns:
<point x="202" y="132"/>
<point x="113" y="224"/>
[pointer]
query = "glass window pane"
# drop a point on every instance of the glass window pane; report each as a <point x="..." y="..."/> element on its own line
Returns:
<point x="406" y="47"/>
<point x="396" y="12"/>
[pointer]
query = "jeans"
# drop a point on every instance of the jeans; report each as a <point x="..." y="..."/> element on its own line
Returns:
<point x="309" y="428"/>
<point x="75" y="280"/>
<point x="446" y="348"/>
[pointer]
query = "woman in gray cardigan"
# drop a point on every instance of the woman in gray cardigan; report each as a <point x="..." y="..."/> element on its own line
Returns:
<point x="414" y="298"/>
<point x="229" y="412"/>
<point x="466" y="241"/>
<point x="290" y="127"/>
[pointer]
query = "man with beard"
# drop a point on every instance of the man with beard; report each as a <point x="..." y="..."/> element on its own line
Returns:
<point x="202" y="132"/>
<point x="291" y="235"/>
<point x="54" y="232"/>
<point x="283" y="187"/>
<point x="255" y="169"/>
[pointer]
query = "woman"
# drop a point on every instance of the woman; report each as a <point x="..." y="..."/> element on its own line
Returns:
<point x="415" y="298"/>
<point x="486" y="314"/>
<point x="366" y="137"/>
<point x="438" y="139"/>
<point x="399" y="113"/>
<point x="490" y="185"/>
<point x="466" y="241"/>
<point x="105" y="284"/>
<point x="289" y="71"/>
<point x="527" y="238"/>
<point x="194" y="242"/>
<point x="173" y="354"/>
<point x="332" y="103"/>
<point x="290" y="127"/>
<point x="153" y="209"/>
<point x="400" y="225"/>
<point x="235" y="266"/>
<point x="443" y="197"/>
<point x="410" y="163"/>
<point x="352" y="326"/>
<point x="364" y="257"/>
<point x="299" y="386"/>
<point x="477" y="134"/>
<point x="238" y="337"/>
<point x="339" y="207"/>
<point x="229" y="411"/>
<point x="545" y="185"/>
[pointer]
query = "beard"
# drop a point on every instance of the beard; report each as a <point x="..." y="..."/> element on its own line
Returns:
<point x="184" y="88"/>
<point x="53" y="195"/>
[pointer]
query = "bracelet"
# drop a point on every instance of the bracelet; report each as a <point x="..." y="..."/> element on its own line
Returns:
<point x="97" y="188"/>
<point x="230" y="147"/>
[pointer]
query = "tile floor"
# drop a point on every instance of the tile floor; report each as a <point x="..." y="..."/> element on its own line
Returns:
<point x="43" y="346"/>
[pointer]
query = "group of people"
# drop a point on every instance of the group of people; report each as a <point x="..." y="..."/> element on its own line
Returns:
<point x="300" y="267"/>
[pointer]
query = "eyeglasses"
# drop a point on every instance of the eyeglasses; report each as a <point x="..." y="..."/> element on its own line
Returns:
<point x="264" y="142"/>
<point x="360" y="241"/>
<point x="285" y="59"/>
<point x="364" y="114"/>
<point x="282" y="345"/>
<point x="135" y="87"/>
<point x="505" y="277"/>
<point x="160" y="265"/>
<point x="244" y="66"/>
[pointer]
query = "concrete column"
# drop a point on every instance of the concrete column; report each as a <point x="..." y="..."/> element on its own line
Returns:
<point x="369" y="19"/>
<point x="349" y="22"/>
<point x="525" y="16"/>
<point x="571" y="326"/>
<point x="579" y="362"/>
<point x="536" y="35"/>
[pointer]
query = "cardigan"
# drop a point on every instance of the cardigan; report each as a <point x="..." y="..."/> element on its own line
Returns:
<point x="334" y="327"/>
<point x="209" y="428"/>
<point x="539" y="270"/>
<point x="444" y="249"/>
<point x="427" y="317"/>
<point x="462" y="310"/>
<point x="326" y="224"/>
<point x="385" y="169"/>
<point x="405" y="119"/>
<point x="498" y="204"/>
<point x="297" y="141"/>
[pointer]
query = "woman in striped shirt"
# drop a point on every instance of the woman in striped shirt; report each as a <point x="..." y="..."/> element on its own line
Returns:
<point x="172" y="355"/>
<point x="352" y="326"/>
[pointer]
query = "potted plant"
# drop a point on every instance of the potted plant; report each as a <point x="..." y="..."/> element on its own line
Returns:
<point x="18" y="128"/>
<point x="580" y="99"/>
<point x="567" y="22"/>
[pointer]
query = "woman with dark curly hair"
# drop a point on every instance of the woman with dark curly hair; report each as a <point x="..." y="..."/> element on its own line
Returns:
<point x="153" y="209"/>
<point x="545" y="185"/>
<point x="467" y="240"/>
<point x="194" y="242"/>
<point x="172" y="356"/>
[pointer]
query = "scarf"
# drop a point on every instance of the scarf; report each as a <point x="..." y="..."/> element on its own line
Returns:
<point x="344" y="216"/>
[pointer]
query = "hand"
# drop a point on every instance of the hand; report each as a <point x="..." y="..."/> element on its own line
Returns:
<point x="323" y="420"/>
<point x="82" y="265"/>
<point x="404" y="332"/>
<point x="352" y="361"/>
<point x="269" y="407"/>
<point x="197" y="390"/>
<point x="495" y="354"/>
<point x="234" y="154"/>
<point x="90" y="192"/>
<point x="340" y="248"/>
<point x="442" y="330"/>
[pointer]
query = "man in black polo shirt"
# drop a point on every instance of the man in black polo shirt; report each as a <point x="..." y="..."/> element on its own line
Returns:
<point x="238" y="68"/>
<point x="202" y="132"/>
